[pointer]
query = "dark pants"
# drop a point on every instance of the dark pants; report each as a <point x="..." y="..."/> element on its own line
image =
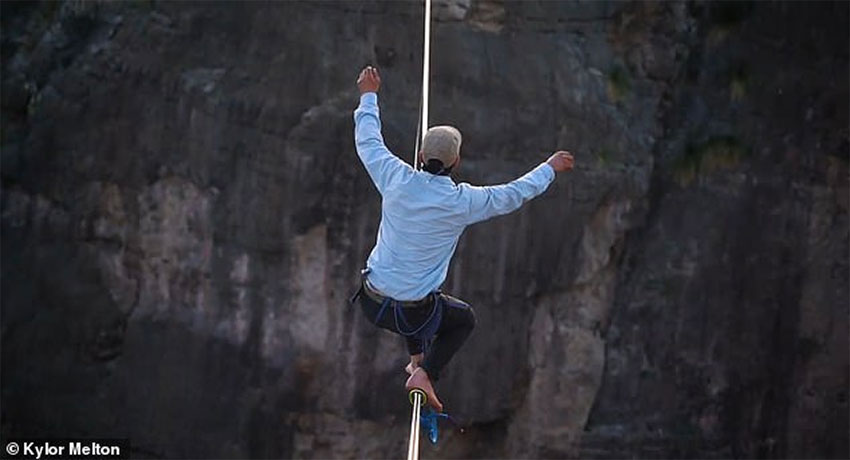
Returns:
<point x="457" y="323"/>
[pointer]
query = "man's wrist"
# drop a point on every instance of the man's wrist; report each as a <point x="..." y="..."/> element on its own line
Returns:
<point x="369" y="96"/>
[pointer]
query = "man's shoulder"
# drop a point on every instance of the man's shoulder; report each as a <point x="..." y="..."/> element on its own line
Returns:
<point x="466" y="189"/>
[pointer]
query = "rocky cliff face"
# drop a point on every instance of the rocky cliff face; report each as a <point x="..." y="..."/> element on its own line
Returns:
<point x="183" y="217"/>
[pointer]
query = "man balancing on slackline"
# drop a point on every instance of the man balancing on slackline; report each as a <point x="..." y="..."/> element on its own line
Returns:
<point x="423" y="213"/>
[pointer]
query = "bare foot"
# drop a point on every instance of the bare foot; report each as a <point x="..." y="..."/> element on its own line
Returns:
<point x="410" y="368"/>
<point x="419" y="379"/>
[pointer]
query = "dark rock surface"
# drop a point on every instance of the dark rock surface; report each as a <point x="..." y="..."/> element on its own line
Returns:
<point x="183" y="217"/>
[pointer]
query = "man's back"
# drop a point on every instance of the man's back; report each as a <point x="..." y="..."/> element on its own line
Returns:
<point x="424" y="214"/>
<point x="422" y="218"/>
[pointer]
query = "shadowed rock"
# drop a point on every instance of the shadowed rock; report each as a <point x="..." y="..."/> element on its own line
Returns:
<point x="184" y="216"/>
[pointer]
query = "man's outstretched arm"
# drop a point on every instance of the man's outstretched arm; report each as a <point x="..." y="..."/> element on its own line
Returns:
<point x="383" y="167"/>
<point x="496" y="200"/>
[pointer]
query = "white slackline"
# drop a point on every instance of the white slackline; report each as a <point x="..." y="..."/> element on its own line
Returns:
<point x="413" y="444"/>
<point x="426" y="74"/>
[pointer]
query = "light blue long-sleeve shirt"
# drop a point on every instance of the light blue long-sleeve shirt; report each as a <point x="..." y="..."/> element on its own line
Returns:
<point x="423" y="215"/>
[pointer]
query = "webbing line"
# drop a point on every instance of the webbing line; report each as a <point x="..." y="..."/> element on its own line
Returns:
<point x="417" y="398"/>
<point x="422" y="126"/>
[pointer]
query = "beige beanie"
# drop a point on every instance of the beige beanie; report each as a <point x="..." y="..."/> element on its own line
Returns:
<point x="442" y="143"/>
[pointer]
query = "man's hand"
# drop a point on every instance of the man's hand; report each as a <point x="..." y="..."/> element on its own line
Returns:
<point x="561" y="161"/>
<point x="369" y="80"/>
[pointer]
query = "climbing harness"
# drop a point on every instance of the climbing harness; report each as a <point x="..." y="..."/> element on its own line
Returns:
<point x="426" y="331"/>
